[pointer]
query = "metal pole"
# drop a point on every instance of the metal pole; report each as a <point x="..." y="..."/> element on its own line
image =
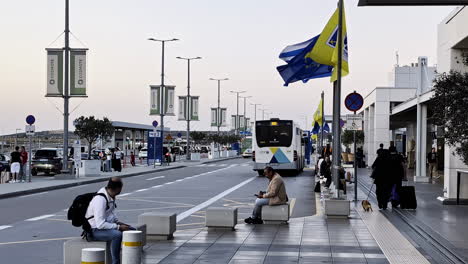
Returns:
<point x="154" y="148"/>
<point x="29" y="159"/>
<point x="162" y="106"/>
<point x="355" y="167"/>
<point x="66" y="96"/>
<point x="245" y="117"/>
<point x="218" y="113"/>
<point x="337" y="105"/>
<point x="188" y="109"/>
<point x="323" y="123"/>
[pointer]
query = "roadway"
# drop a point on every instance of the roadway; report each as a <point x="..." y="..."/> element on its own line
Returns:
<point x="34" y="227"/>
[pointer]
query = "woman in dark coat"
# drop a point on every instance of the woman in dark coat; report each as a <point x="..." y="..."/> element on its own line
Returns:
<point x="382" y="175"/>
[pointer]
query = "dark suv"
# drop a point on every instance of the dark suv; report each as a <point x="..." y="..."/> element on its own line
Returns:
<point x="4" y="163"/>
<point x="47" y="160"/>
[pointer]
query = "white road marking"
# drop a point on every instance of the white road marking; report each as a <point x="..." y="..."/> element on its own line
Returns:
<point x="180" y="180"/>
<point x="167" y="183"/>
<point x="197" y="208"/>
<point x="34" y="194"/>
<point x="154" y="178"/>
<point x="245" y="165"/>
<point x="39" y="218"/>
<point x="211" y="165"/>
<point x="157" y="186"/>
<point x="125" y="194"/>
<point x="141" y="190"/>
<point x="4" y="227"/>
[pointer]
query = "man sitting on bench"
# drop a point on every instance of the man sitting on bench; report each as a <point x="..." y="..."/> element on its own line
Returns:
<point x="275" y="195"/>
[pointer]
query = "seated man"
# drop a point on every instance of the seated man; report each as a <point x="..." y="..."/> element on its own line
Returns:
<point x="275" y="195"/>
<point x="104" y="223"/>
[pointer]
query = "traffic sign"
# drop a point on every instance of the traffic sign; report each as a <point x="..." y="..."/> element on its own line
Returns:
<point x="30" y="119"/>
<point x="179" y="135"/>
<point x="354" y="101"/>
<point x="30" y="129"/>
<point x="168" y="137"/>
<point x="354" y="122"/>
<point x="155" y="123"/>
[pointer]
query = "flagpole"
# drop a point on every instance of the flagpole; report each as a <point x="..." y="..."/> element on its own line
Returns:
<point x="323" y="123"/>
<point x="337" y="105"/>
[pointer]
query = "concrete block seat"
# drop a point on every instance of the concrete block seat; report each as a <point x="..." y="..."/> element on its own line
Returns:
<point x="142" y="228"/>
<point x="72" y="250"/>
<point x="159" y="226"/>
<point x="276" y="214"/>
<point x="221" y="217"/>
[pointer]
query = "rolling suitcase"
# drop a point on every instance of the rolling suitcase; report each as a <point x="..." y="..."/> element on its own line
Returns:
<point x="408" y="197"/>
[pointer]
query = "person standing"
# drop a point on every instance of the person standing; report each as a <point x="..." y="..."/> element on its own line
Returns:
<point x="132" y="159"/>
<point x="432" y="161"/>
<point x="24" y="162"/>
<point x="15" y="165"/>
<point x="381" y="149"/>
<point x="397" y="167"/>
<point x="325" y="170"/>
<point x="382" y="175"/>
<point x="118" y="160"/>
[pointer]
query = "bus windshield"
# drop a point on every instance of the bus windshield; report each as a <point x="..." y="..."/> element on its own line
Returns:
<point x="274" y="133"/>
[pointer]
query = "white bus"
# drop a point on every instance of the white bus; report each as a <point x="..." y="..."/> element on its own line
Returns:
<point x="277" y="143"/>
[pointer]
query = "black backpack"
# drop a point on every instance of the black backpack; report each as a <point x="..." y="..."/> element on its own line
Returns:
<point x="77" y="212"/>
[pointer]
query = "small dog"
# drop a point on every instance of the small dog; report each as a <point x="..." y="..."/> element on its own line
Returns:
<point x="366" y="205"/>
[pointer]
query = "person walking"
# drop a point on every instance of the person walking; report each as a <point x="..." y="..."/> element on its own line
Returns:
<point x="132" y="159"/>
<point x="397" y="172"/>
<point x="15" y="165"/>
<point x="382" y="178"/>
<point x="24" y="162"/>
<point x="275" y="195"/>
<point x="432" y="161"/>
<point x="325" y="170"/>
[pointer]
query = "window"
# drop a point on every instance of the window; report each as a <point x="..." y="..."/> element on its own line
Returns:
<point x="46" y="153"/>
<point x="277" y="135"/>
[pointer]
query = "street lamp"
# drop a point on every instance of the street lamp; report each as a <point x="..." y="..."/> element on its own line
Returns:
<point x="263" y="113"/>
<point x="237" y="115"/>
<point x="218" y="112"/>
<point x="245" y="116"/>
<point x="255" y="111"/>
<point x="188" y="101"/>
<point x="161" y="102"/>
<point x="16" y="136"/>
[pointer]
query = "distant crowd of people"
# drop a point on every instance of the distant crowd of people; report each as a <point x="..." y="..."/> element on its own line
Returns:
<point x="18" y="165"/>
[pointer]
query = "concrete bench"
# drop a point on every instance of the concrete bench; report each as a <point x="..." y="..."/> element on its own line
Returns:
<point x="276" y="214"/>
<point x="142" y="228"/>
<point x="159" y="226"/>
<point x="72" y="250"/>
<point x="223" y="217"/>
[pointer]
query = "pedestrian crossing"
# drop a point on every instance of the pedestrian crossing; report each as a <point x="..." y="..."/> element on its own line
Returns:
<point x="211" y="165"/>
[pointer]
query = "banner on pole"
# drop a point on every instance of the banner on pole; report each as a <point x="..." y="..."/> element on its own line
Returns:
<point x="78" y="72"/>
<point x="223" y="117"/>
<point x="155" y="100"/>
<point x="194" y="108"/>
<point x="214" y="118"/>
<point x="182" y="108"/>
<point x="54" y="73"/>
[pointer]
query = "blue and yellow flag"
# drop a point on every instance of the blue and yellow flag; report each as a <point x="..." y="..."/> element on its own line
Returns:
<point x="325" y="50"/>
<point x="318" y="115"/>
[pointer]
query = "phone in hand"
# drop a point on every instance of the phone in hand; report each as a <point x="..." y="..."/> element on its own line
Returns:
<point x="256" y="195"/>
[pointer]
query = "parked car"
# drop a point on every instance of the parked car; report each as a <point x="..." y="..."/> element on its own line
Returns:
<point x="204" y="149"/>
<point x="47" y="160"/>
<point x="143" y="153"/>
<point x="247" y="153"/>
<point x="4" y="162"/>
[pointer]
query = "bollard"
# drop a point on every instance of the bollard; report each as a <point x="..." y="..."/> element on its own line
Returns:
<point x="131" y="247"/>
<point x="93" y="256"/>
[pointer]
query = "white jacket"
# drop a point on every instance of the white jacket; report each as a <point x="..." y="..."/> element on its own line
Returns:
<point x="103" y="219"/>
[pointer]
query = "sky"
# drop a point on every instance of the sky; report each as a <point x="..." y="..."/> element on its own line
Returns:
<point x="239" y="40"/>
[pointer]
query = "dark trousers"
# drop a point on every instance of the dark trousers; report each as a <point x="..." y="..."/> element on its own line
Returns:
<point x="383" y="192"/>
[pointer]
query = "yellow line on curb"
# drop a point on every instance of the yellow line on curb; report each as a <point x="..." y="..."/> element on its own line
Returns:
<point x="291" y="206"/>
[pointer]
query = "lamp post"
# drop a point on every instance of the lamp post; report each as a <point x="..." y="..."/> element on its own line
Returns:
<point x="255" y="111"/>
<point x="188" y="115"/>
<point x="263" y="113"/>
<point x="161" y="102"/>
<point x="245" y="116"/>
<point x="237" y="115"/>
<point x="218" y="112"/>
<point x="16" y="136"/>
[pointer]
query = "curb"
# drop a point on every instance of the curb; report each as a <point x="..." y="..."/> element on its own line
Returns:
<point x="91" y="181"/>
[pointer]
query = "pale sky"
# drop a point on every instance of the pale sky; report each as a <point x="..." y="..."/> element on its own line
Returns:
<point x="238" y="39"/>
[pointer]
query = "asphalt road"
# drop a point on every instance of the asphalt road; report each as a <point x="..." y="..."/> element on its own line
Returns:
<point x="34" y="227"/>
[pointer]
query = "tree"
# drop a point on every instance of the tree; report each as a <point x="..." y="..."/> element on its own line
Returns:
<point x="347" y="137"/>
<point x="91" y="129"/>
<point x="450" y="104"/>
<point x="197" y="136"/>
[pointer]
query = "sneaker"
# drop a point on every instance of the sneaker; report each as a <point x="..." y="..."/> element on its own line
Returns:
<point x="257" y="221"/>
<point x="249" y="220"/>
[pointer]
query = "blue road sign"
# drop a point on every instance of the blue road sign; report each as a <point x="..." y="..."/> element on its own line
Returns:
<point x="30" y="119"/>
<point x="155" y="123"/>
<point x="179" y="135"/>
<point x="354" y="102"/>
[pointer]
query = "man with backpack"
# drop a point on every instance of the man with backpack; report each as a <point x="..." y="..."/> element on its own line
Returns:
<point x="104" y="225"/>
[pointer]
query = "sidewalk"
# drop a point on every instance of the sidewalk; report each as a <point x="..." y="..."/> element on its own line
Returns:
<point x="313" y="239"/>
<point x="444" y="223"/>
<point x="43" y="183"/>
